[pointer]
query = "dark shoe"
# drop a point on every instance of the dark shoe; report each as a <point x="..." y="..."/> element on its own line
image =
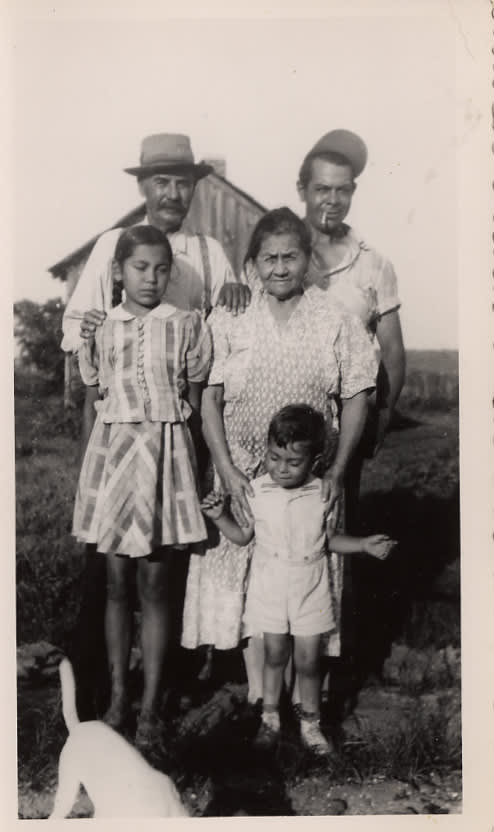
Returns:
<point x="116" y="714"/>
<point x="149" y="734"/>
<point x="267" y="736"/>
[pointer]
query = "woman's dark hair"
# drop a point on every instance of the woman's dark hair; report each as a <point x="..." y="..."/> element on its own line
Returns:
<point x="298" y="423"/>
<point x="278" y="221"/>
<point x="305" y="172"/>
<point x="136" y="235"/>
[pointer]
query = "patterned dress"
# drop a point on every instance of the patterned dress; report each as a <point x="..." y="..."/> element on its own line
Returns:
<point x="317" y="355"/>
<point x="137" y="487"/>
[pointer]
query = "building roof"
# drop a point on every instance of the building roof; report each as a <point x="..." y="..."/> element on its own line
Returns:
<point x="135" y="216"/>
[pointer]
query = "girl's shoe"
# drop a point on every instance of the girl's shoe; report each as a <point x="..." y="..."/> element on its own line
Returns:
<point x="149" y="733"/>
<point x="116" y="714"/>
<point x="313" y="738"/>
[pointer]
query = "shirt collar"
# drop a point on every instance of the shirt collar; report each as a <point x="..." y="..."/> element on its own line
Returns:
<point x="178" y="239"/>
<point x="311" y="484"/>
<point x="119" y="313"/>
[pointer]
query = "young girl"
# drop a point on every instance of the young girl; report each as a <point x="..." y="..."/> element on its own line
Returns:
<point x="289" y="590"/>
<point x="137" y="498"/>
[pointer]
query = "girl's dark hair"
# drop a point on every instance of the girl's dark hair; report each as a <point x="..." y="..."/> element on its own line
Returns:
<point x="130" y="238"/>
<point x="298" y="423"/>
<point x="305" y="172"/>
<point x="279" y="221"/>
<point x="139" y="235"/>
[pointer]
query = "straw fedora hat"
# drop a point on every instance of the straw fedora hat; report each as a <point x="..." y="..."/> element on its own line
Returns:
<point x="345" y="143"/>
<point x="168" y="152"/>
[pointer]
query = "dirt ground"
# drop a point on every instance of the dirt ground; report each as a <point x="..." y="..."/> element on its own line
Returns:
<point x="386" y="733"/>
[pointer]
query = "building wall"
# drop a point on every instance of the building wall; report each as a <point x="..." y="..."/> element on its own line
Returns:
<point x="223" y="213"/>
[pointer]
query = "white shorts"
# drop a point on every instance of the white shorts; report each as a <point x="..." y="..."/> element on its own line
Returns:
<point x="288" y="597"/>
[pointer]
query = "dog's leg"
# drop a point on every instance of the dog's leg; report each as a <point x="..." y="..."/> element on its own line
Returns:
<point x="68" y="787"/>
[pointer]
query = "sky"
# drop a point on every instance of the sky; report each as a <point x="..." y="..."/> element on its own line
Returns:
<point x="258" y="92"/>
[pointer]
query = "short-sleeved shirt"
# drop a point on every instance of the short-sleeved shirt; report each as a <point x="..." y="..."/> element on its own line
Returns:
<point x="185" y="289"/>
<point x="290" y="523"/>
<point x="364" y="282"/>
<point x="143" y="365"/>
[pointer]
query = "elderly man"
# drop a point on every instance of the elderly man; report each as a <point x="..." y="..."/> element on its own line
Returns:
<point x="201" y="277"/>
<point x="355" y="275"/>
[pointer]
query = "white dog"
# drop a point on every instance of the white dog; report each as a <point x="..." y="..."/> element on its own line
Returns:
<point x="116" y="777"/>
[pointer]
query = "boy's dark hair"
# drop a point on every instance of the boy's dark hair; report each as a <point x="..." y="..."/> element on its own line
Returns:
<point x="298" y="423"/>
<point x="278" y="221"/>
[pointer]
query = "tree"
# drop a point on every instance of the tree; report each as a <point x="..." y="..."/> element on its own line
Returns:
<point x="38" y="330"/>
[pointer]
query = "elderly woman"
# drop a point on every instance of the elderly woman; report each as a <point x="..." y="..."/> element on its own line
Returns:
<point x="355" y="276"/>
<point x="290" y="345"/>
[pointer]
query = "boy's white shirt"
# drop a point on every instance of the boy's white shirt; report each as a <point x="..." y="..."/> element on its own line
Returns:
<point x="289" y="522"/>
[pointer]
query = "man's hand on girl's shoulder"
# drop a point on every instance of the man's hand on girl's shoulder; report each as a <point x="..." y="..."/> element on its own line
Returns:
<point x="235" y="297"/>
<point x="91" y="320"/>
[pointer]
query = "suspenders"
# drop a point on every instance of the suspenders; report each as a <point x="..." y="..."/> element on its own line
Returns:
<point x="206" y="270"/>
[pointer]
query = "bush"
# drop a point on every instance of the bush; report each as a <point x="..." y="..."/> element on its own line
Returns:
<point x="38" y="330"/>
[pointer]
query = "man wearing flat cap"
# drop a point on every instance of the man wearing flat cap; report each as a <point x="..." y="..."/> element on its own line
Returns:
<point x="355" y="275"/>
<point x="364" y="283"/>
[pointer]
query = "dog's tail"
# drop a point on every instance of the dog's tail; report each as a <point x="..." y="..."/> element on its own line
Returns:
<point x="68" y="694"/>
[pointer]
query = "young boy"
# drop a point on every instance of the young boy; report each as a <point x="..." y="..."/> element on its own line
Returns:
<point x="289" y="584"/>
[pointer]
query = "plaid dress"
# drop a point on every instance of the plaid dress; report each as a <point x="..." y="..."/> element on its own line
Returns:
<point x="137" y="488"/>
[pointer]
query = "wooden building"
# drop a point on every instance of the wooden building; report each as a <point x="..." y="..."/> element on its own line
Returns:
<point x="218" y="208"/>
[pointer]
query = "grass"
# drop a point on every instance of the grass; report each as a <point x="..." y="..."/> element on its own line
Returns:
<point x="410" y="491"/>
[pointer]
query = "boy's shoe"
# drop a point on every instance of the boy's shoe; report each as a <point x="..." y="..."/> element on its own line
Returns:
<point x="269" y="731"/>
<point x="266" y="738"/>
<point x="313" y="738"/>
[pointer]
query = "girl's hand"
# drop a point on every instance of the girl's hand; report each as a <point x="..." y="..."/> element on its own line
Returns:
<point x="213" y="505"/>
<point x="378" y="545"/>
<point x="90" y="321"/>
<point x="238" y="487"/>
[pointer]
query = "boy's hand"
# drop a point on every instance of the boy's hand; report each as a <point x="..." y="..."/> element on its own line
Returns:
<point x="378" y="545"/>
<point x="213" y="505"/>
